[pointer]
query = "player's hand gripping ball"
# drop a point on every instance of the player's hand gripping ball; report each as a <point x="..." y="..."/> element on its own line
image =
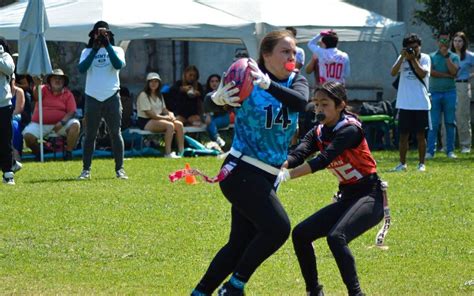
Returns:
<point x="239" y="72"/>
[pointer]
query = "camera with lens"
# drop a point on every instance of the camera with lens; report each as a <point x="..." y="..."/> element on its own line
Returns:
<point x="410" y="50"/>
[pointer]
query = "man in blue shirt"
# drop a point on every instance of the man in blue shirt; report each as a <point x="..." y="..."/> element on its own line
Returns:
<point x="444" y="67"/>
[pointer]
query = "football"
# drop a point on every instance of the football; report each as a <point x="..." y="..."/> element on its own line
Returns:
<point x="239" y="72"/>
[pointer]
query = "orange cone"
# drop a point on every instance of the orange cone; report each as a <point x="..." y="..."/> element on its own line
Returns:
<point x="190" y="179"/>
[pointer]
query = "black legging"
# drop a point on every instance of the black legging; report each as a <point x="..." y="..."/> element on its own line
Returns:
<point x="340" y="223"/>
<point x="259" y="226"/>
<point x="6" y="135"/>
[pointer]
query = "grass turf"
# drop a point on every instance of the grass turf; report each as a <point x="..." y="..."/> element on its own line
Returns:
<point x="148" y="236"/>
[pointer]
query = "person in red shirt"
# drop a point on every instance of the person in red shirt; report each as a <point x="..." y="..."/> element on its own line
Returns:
<point x="359" y="203"/>
<point x="59" y="109"/>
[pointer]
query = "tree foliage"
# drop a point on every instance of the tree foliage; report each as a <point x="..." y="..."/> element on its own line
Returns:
<point x="448" y="16"/>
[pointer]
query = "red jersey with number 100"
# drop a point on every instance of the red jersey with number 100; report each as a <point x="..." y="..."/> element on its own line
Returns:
<point x="354" y="163"/>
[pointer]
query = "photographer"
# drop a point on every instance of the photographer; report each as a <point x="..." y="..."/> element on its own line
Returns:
<point x="413" y="99"/>
<point x="102" y="61"/>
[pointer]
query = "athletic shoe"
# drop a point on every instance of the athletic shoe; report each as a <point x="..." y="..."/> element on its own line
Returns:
<point x="316" y="292"/>
<point x="172" y="155"/>
<point x="466" y="150"/>
<point x="8" y="178"/>
<point x="421" y="167"/>
<point x="121" y="174"/>
<point x="85" y="175"/>
<point x="452" y="155"/>
<point x="220" y="142"/>
<point x="16" y="166"/>
<point x="228" y="290"/>
<point x="429" y="155"/>
<point x="401" y="167"/>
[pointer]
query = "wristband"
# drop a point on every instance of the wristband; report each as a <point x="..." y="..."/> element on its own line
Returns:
<point x="63" y="122"/>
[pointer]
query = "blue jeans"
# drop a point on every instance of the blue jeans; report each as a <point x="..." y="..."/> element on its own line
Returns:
<point x="217" y="121"/>
<point x="442" y="102"/>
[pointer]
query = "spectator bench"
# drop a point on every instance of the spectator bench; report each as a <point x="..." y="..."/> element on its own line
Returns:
<point x="197" y="130"/>
<point x="378" y="123"/>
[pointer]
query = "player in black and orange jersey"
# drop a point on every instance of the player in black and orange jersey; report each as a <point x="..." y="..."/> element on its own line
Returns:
<point x="344" y="151"/>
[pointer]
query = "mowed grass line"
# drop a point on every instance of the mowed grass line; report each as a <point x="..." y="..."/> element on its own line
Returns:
<point x="148" y="236"/>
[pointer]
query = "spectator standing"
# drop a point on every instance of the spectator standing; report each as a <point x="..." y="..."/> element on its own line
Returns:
<point x="102" y="61"/>
<point x="265" y="123"/>
<point x="7" y="67"/>
<point x="444" y="67"/>
<point x="215" y="118"/>
<point x="300" y="55"/>
<point x="59" y="109"/>
<point x="153" y="115"/>
<point x="413" y="101"/>
<point x="187" y="96"/>
<point x="463" y="90"/>
<point x="334" y="64"/>
<point x="18" y="101"/>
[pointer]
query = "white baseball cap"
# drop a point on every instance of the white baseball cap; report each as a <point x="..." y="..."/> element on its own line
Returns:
<point x="152" y="76"/>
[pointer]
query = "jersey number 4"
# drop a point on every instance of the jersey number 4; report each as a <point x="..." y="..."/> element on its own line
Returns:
<point x="281" y="118"/>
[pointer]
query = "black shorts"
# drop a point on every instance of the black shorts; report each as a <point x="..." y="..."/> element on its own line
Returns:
<point x="413" y="120"/>
<point x="141" y="122"/>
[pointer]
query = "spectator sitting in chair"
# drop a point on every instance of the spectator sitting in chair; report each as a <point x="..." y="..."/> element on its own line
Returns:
<point x="215" y="119"/>
<point x="59" y="108"/>
<point x="187" y="95"/>
<point x="153" y="115"/>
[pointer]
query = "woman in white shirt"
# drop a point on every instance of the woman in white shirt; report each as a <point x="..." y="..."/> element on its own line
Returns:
<point x="153" y="115"/>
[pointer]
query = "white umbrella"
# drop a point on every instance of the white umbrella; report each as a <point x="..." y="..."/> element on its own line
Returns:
<point x="33" y="53"/>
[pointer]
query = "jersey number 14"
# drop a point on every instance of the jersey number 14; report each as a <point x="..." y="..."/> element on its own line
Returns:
<point x="281" y="118"/>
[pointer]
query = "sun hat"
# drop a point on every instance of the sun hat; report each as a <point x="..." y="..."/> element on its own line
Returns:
<point x="58" y="72"/>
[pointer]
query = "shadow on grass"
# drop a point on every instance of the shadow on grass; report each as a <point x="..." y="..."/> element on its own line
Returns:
<point x="67" y="180"/>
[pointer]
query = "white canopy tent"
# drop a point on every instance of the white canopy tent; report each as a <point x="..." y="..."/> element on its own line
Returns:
<point x="197" y="20"/>
<point x="71" y="20"/>
<point x="309" y="17"/>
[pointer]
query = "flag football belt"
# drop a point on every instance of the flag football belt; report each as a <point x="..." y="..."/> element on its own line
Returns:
<point x="380" y="237"/>
<point x="255" y="162"/>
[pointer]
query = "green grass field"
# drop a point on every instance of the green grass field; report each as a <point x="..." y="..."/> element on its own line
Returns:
<point x="148" y="236"/>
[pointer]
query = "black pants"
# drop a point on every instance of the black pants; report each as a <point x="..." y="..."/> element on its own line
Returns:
<point x="340" y="223"/>
<point x="259" y="226"/>
<point x="6" y="136"/>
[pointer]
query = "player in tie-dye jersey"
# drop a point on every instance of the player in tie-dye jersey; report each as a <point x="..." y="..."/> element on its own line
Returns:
<point x="334" y="64"/>
<point x="264" y="125"/>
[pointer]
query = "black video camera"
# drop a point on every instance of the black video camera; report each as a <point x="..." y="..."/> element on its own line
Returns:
<point x="410" y="50"/>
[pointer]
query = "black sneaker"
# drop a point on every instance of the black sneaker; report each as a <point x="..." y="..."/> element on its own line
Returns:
<point x="318" y="291"/>
<point x="228" y="290"/>
<point x="8" y="178"/>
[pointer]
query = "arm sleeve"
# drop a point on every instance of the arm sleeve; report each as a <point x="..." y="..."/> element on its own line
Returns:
<point x="348" y="137"/>
<point x="210" y="106"/>
<point x="117" y="58"/>
<point x="86" y="60"/>
<point x="313" y="45"/>
<point x="347" y="68"/>
<point x="7" y="66"/>
<point x="306" y="148"/>
<point x="296" y="97"/>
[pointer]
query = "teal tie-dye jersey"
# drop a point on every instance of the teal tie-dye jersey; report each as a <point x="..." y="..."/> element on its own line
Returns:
<point x="264" y="127"/>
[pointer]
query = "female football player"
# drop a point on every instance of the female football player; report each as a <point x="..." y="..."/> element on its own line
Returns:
<point x="264" y="125"/>
<point x="344" y="151"/>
